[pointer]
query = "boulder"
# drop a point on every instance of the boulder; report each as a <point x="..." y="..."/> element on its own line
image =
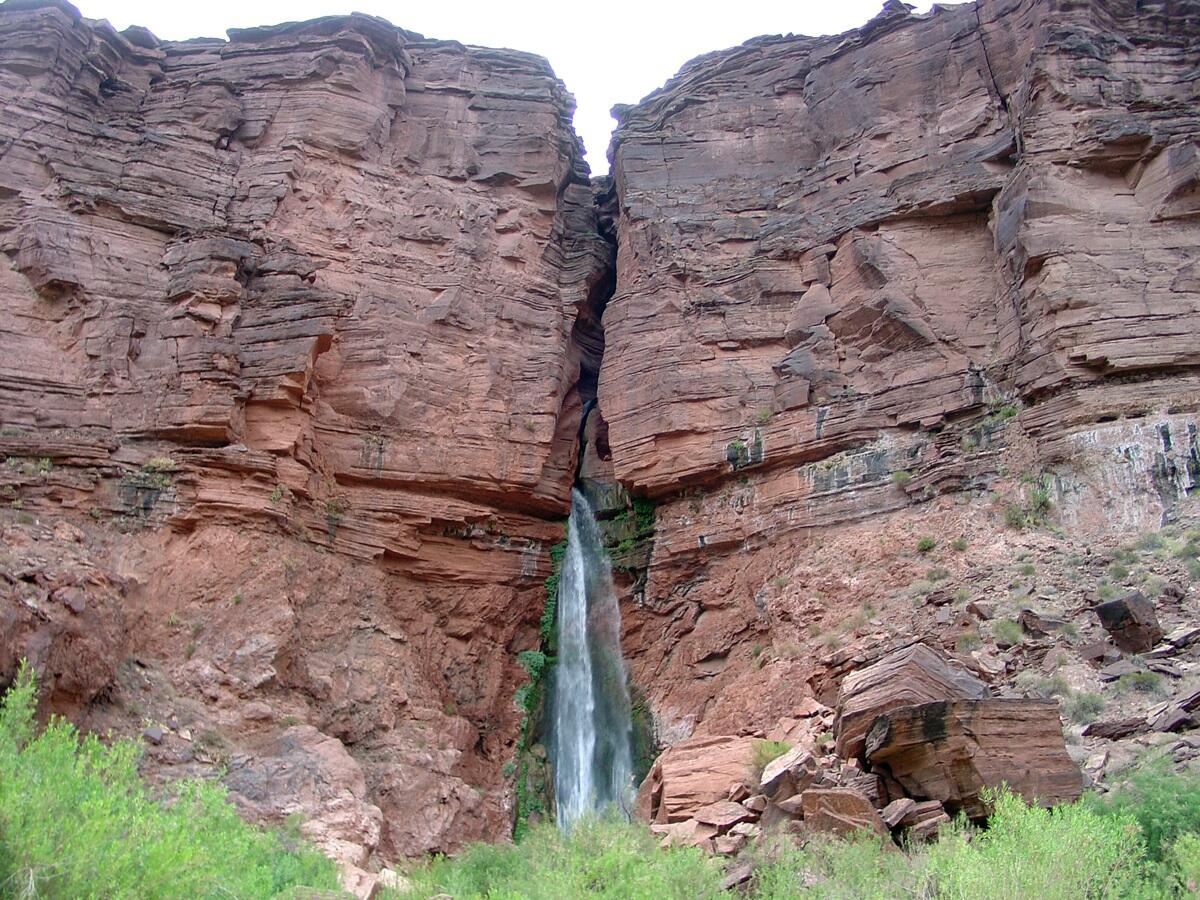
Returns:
<point x="951" y="750"/>
<point x="691" y="775"/>
<point x="840" y="810"/>
<point x="1131" y="621"/>
<point x="915" y="674"/>
<point x="788" y="774"/>
<point x="894" y="812"/>
<point x="722" y="815"/>
<point x="1116" y="729"/>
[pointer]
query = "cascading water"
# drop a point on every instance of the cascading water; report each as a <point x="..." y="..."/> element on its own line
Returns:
<point x="592" y="736"/>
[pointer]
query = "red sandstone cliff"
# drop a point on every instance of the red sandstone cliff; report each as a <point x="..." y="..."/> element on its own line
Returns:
<point x="296" y="329"/>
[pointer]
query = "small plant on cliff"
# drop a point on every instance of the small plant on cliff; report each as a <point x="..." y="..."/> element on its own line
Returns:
<point x="762" y="754"/>
<point x="901" y="478"/>
<point x="1007" y="632"/>
<point x="77" y="821"/>
<point x="763" y="416"/>
<point x="925" y="544"/>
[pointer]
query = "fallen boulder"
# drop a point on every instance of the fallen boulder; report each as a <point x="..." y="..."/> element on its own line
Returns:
<point x="788" y="774"/>
<point x="915" y="674"/>
<point x="951" y="750"/>
<point x="692" y="774"/>
<point x="1131" y="621"/>
<point x="840" y="810"/>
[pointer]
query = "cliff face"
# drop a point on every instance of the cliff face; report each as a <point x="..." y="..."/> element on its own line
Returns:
<point x="297" y="328"/>
<point x="286" y="327"/>
<point x="921" y="259"/>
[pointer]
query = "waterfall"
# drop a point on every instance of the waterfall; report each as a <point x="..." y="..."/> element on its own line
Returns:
<point x="591" y="732"/>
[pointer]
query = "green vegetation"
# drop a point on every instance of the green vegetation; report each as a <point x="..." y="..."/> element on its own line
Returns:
<point x="925" y="544"/>
<point x="1083" y="707"/>
<point x="1145" y="682"/>
<point x="763" y="416"/>
<point x="959" y="544"/>
<point x="1142" y="842"/>
<point x="901" y="477"/>
<point x="1007" y="631"/>
<point x="1165" y="805"/>
<point x="600" y="858"/>
<point x="762" y="753"/>
<point x="30" y="465"/>
<point x="967" y="641"/>
<point x="77" y="821"/>
<point x="528" y="698"/>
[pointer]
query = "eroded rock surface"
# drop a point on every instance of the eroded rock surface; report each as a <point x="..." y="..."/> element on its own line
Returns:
<point x="286" y="325"/>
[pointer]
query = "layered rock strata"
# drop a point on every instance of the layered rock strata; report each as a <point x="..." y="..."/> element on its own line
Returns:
<point x="922" y="258"/>
<point x="296" y="330"/>
<point x="287" y="324"/>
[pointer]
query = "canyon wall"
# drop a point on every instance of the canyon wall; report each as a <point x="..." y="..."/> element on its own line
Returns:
<point x="297" y="329"/>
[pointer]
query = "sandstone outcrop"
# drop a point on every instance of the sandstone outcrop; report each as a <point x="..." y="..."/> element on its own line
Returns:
<point x="860" y="272"/>
<point x="288" y="328"/>
<point x="909" y="676"/>
<point x="951" y="751"/>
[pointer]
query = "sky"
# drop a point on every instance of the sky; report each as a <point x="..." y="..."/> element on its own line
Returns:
<point x="618" y="56"/>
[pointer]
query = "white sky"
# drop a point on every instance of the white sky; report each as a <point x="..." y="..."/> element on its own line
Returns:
<point x="610" y="52"/>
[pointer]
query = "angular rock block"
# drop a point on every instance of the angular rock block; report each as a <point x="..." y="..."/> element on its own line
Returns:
<point x="951" y="750"/>
<point x="788" y="774"/>
<point x="912" y="675"/>
<point x="840" y="810"/>
<point x="693" y="774"/>
<point x="1131" y="621"/>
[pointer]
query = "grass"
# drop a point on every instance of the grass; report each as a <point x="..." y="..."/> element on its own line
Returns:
<point x="959" y="544"/>
<point x="77" y="821"/>
<point x="762" y="753"/>
<point x="1007" y="631"/>
<point x="1139" y="842"/>
<point x="925" y="544"/>
<point x="1143" y="682"/>
<point x="601" y="858"/>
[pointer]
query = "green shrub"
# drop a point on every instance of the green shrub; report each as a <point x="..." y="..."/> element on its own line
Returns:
<point x="1083" y="707"/>
<point x="901" y="477"/>
<point x="763" y="753"/>
<point x="1069" y="852"/>
<point x="967" y="641"/>
<point x="1145" y="682"/>
<point x="1007" y="631"/>
<point x="1031" y="683"/>
<point x="1163" y="802"/>
<point x="1184" y="858"/>
<point x="1014" y="516"/>
<point x="959" y="544"/>
<point x="77" y="821"/>
<point x="600" y="858"/>
<point x="925" y="544"/>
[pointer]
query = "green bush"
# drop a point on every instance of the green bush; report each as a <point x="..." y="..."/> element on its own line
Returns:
<point x="1117" y="846"/>
<point x="600" y="858"/>
<point x="1164" y="803"/>
<point x="1145" y="682"/>
<point x="1083" y="707"/>
<point x="1069" y="852"/>
<point x="925" y="544"/>
<point x="1007" y="631"/>
<point x="763" y="753"/>
<point x="77" y="821"/>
